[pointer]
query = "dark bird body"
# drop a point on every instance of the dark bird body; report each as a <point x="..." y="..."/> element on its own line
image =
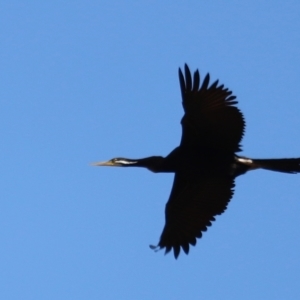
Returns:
<point x="205" y="163"/>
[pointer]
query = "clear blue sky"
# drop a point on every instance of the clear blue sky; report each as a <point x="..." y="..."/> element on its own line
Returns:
<point x="84" y="81"/>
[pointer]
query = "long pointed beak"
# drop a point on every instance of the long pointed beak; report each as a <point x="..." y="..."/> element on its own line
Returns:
<point x="103" y="164"/>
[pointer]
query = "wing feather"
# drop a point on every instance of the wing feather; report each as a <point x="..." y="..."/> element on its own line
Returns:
<point x="192" y="208"/>
<point x="211" y="120"/>
<point x="188" y="78"/>
<point x="196" y="81"/>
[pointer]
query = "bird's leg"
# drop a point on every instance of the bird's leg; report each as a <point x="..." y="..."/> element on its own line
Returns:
<point x="155" y="248"/>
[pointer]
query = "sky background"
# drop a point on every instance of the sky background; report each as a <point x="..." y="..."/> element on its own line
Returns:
<point x="85" y="81"/>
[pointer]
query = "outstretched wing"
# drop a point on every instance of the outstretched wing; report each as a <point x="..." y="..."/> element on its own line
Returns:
<point x="211" y="120"/>
<point x="191" y="208"/>
<point x="212" y="128"/>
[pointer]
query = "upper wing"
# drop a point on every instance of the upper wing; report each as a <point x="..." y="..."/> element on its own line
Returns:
<point x="191" y="208"/>
<point x="210" y="118"/>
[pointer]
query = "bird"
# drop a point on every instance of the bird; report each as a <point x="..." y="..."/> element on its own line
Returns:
<point x="205" y="163"/>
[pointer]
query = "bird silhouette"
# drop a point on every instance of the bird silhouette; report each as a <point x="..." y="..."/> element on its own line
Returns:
<point x="205" y="163"/>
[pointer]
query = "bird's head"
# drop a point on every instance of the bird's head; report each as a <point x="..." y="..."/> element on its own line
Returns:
<point x="152" y="163"/>
<point x="116" y="162"/>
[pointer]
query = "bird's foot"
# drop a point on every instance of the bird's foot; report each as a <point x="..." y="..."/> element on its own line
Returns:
<point x="155" y="248"/>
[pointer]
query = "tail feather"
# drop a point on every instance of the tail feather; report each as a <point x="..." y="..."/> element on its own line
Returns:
<point x="286" y="165"/>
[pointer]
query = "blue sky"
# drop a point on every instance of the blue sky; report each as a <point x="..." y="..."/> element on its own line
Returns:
<point x="84" y="81"/>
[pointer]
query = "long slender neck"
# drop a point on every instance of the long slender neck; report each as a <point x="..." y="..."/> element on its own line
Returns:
<point x="152" y="163"/>
<point x="159" y="164"/>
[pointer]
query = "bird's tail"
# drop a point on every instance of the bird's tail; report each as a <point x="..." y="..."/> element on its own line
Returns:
<point x="285" y="165"/>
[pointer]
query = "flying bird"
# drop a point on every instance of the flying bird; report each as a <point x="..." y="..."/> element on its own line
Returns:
<point x="205" y="163"/>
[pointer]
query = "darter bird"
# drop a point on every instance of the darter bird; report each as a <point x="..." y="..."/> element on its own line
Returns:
<point x="205" y="163"/>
